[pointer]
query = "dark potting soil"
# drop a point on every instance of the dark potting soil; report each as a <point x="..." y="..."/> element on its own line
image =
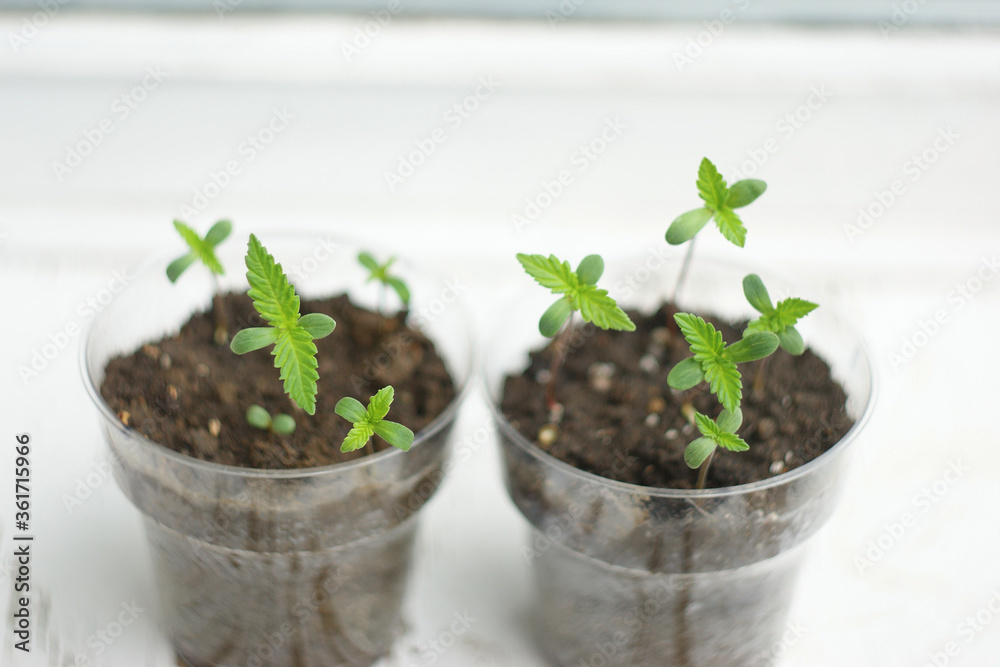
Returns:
<point x="622" y="421"/>
<point x="191" y="395"/>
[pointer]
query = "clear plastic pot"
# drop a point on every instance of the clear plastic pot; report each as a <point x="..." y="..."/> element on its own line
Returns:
<point x="634" y="575"/>
<point x="276" y="567"/>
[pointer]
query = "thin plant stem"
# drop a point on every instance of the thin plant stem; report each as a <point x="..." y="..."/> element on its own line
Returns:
<point x="221" y="333"/>
<point x="369" y="447"/>
<point x="703" y="471"/>
<point x="684" y="271"/>
<point x="559" y="350"/>
<point x="758" y="376"/>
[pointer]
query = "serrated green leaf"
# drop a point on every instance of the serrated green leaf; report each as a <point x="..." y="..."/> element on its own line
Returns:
<point x="273" y="297"/>
<point x="395" y="434"/>
<point x="709" y="349"/>
<point x="601" y="310"/>
<point x="791" y="341"/>
<point x="702" y="337"/>
<point x="318" y="325"/>
<point x="698" y="451"/>
<point x="202" y="250"/>
<point x="731" y="226"/>
<point x="686" y="374"/>
<point x="756" y="293"/>
<point x="378" y="405"/>
<point x="401" y="289"/>
<point x="218" y="233"/>
<point x="789" y="311"/>
<point x="721" y="437"/>
<point x="350" y="409"/>
<point x="283" y="424"/>
<point x="549" y="272"/>
<point x="357" y="437"/>
<point x="711" y="186"/>
<point x="753" y="346"/>
<point x="555" y="317"/>
<point x="258" y="417"/>
<point x="745" y="192"/>
<point x="252" y="339"/>
<point x="180" y="265"/>
<point x="590" y="270"/>
<point x="687" y="225"/>
<point x="295" y="357"/>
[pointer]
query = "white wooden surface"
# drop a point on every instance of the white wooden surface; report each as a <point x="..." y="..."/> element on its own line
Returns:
<point x="876" y="102"/>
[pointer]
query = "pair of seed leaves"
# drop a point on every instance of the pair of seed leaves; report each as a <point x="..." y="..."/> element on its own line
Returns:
<point x="720" y="204"/>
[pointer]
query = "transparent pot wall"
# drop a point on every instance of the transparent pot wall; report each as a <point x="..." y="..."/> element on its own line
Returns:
<point x="632" y="575"/>
<point x="301" y="567"/>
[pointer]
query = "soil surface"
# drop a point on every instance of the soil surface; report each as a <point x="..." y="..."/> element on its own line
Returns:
<point x="191" y="395"/>
<point x="622" y="421"/>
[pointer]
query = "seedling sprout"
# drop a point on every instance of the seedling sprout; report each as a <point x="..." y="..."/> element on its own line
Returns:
<point x="281" y="424"/>
<point x="370" y="421"/>
<point x="380" y="272"/>
<point x="203" y="250"/>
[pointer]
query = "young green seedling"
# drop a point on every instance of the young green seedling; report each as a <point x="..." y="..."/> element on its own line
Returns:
<point x="380" y="272"/>
<point x="291" y="334"/>
<point x="281" y="424"/>
<point x="715" y="362"/>
<point x="720" y="204"/>
<point x="779" y="319"/>
<point x="372" y="421"/>
<point x="203" y="249"/>
<point x="579" y="293"/>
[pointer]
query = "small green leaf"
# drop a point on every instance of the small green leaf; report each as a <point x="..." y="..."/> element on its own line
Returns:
<point x="401" y="289"/>
<point x="202" y="250"/>
<point x="590" y="270"/>
<point x="357" y="437"/>
<point x="705" y="341"/>
<point x="731" y="226"/>
<point x="698" y="451"/>
<point x="273" y="297"/>
<point x="601" y="310"/>
<point x="756" y="293"/>
<point x="368" y="261"/>
<point x="789" y="311"/>
<point x="709" y="349"/>
<point x="395" y="434"/>
<point x="317" y="324"/>
<point x="686" y="374"/>
<point x="252" y="339"/>
<point x="753" y="346"/>
<point x="218" y="233"/>
<point x="283" y="424"/>
<point x="711" y="186"/>
<point x="554" y="317"/>
<point x="687" y="225"/>
<point x="791" y="341"/>
<point x="350" y="409"/>
<point x="549" y="272"/>
<point x="745" y="192"/>
<point x="258" y="417"/>
<point x="720" y="436"/>
<point x="378" y="406"/>
<point x="730" y="421"/>
<point x="179" y="265"/>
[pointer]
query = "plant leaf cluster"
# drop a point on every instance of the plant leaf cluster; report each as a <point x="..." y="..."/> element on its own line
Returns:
<point x="201" y="249"/>
<point x="779" y="319"/>
<point x="370" y="421"/>
<point x="291" y="334"/>
<point x="721" y="202"/>
<point x="578" y="290"/>
<point x="281" y="424"/>
<point x="380" y="272"/>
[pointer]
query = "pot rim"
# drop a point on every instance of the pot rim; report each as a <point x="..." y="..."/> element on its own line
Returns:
<point x="155" y="262"/>
<point x="852" y="434"/>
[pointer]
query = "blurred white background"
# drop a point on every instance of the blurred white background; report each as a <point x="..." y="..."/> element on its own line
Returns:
<point x="447" y="138"/>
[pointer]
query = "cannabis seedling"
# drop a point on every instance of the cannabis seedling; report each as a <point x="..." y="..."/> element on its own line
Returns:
<point x="715" y="362"/>
<point x="579" y="293"/>
<point x="720" y="204"/>
<point x="203" y="249"/>
<point x="372" y="421"/>
<point x="779" y="319"/>
<point x="281" y="424"/>
<point x="291" y="334"/>
<point x="380" y="272"/>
